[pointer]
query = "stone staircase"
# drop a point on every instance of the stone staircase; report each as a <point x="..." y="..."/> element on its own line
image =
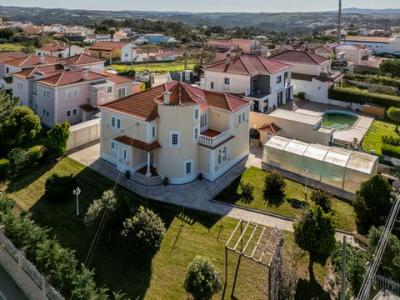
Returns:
<point x="148" y="181"/>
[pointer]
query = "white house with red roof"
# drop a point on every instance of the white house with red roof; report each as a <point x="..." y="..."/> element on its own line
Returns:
<point x="265" y="83"/>
<point x="59" y="50"/>
<point x="175" y="132"/>
<point x="311" y="73"/>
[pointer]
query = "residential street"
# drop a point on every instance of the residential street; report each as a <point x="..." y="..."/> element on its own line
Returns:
<point x="196" y="195"/>
<point x="8" y="289"/>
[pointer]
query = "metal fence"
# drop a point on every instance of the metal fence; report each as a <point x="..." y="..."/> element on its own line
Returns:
<point x="384" y="283"/>
<point x="28" y="268"/>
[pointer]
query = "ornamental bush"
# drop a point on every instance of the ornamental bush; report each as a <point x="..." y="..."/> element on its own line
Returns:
<point x="144" y="231"/>
<point x="59" y="188"/>
<point x="57" y="138"/>
<point x="202" y="278"/>
<point x="390" y="150"/>
<point x="391" y="140"/>
<point x="35" y="153"/>
<point x="4" y="167"/>
<point x="19" y="159"/>
<point x="322" y="199"/>
<point x="274" y="184"/>
<point x="247" y="191"/>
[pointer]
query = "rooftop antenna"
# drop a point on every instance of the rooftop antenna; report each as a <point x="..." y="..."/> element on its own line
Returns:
<point x="339" y="33"/>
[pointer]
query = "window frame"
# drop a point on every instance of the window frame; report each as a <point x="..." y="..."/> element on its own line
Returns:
<point x="227" y="81"/>
<point x="116" y="122"/>
<point x="185" y="166"/>
<point x="171" y="135"/>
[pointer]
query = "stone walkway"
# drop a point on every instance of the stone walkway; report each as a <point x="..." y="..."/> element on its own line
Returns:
<point x="195" y="195"/>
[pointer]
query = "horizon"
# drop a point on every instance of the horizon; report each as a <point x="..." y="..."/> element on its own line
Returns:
<point x="175" y="6"/>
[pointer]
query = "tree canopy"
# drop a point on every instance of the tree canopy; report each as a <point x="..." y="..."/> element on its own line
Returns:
<point x="57" y="138"/>
<point x="394" y="114"/>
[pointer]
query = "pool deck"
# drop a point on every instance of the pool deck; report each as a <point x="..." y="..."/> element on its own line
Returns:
<point x="346" y="136"/>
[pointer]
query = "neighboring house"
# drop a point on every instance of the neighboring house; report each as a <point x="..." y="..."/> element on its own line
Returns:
<point x="84" y="60"/>
<point x="24" y="82"/>
<point x="74" y="96"/>
<point x="311" y="73"/>
<point x="359" y="56"/>
<point x="93" y="38"/>
<point x="326" y="51"/>
<point x="265" y="83"/>
<point x="19" y="64"/>
<point x="60" y="50"/>
<point x="175" y="131"/>
<point x="246" y="46"/>
<point x="163" y="56"/>
<point x="5" y="80"/>
<point x="120" y="51"/>
<point x="378" y="45"/>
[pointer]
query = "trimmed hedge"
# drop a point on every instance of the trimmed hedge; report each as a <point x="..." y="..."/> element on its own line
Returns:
<point x="356" y="95"/>
<point x="4" y="167"/>
<point x="383" y="80"/>
<point x="391" y="140"/>
<point x="391" y="150"/>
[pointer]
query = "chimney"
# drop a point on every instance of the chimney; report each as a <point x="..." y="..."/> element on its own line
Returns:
<point x="85" y="73"/>
<point x="167" y="97"/>
<point x="228" y="59"/>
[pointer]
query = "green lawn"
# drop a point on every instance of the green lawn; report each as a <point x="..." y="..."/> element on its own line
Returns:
<point x="291" y="206"/>
<point x="155" y="67"/>
<point x="7" y="47"/>
<point x="188" y="234"/>
<point x="373" y="139"/>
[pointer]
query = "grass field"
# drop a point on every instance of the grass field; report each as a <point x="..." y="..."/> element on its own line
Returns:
<point x="188" y="234"/>
<point x="7" y="47"/>
<point x="291" y="206"/>
<point x="176" y="66"/>
<point x="373" y="139"/>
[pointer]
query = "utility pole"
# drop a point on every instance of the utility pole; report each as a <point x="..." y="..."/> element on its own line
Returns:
<point x="343" y="293"/>
<point x="339" y="33"/>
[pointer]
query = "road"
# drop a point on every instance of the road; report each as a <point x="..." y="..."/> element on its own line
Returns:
<point x="8" y="289"/>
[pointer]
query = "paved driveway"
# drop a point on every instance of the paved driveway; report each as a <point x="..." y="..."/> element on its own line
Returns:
<point x="8" y="289"/>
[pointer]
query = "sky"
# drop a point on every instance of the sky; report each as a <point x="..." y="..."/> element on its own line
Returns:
<point x="205" y="5"/>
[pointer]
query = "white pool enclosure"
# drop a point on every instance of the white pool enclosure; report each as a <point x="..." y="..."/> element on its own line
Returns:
<point x="336" y="167"/>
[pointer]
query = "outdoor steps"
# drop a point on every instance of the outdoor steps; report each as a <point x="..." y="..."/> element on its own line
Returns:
<point x="148" y="181"/>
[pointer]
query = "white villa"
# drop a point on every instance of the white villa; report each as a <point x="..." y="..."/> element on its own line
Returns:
<point x="378" y="45"/>
<point x="176" y="132"/>
<point x="59" y="50"/>
<point x="264" y="82"/>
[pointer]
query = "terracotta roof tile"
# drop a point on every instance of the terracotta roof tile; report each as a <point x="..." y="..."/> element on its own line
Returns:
<point x="144" y="104"/>
<point x="32" y="60"/>
<point x="107" y="46"/>
<point x="54" y="47"/>
<point x="270" y="128"/>
<point x="81" y="60"/>
<point x="7" y="56"/>
<point x="44" y="70"/>
<point x="300" y="57"/>
<point x="71" y="77"/>
<point x="148" y="147"/>
<point x="248" y="65"/>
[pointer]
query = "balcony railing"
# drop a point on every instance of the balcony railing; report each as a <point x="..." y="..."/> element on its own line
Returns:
<point x="256" y="94"/>
<point x="213" y="141"/>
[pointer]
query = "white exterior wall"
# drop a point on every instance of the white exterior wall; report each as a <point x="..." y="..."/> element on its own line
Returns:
<point x="8" y="70"/>
<point x="75" y="50"/>
<point x="127" y="53"/>
<point x="379" y="48"/>
<point x="46" y="108"/>
<point x="238" y="83"/>
<point x="21" y="90"/>
<point x="315" y="90"/>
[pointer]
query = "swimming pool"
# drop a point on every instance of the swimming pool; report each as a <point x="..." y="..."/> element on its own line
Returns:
<point x="338" y="120"/>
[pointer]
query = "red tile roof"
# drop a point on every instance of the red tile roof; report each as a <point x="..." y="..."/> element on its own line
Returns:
<point x="107" y="46"/>
<point x="7" y="56"/>
<point x="248" y="65"/>
<point x="82" y="60"/>
<point x="148" y="147"/>
<point x="44" y="70"/>
<point x="117" y="79"/>
<point x="270" y="128"/>
<point x="54" y="47"/>
<point x="32" y="60"/>
<point x="71" y="77"/>
<point x="300" y="57"/>
<point x="368" y="39"/>
<point x="144" y="104"/>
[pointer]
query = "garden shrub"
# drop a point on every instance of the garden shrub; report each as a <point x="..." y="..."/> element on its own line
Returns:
<point x="57" y="138"/>
<point x="144" y="231"/>
<point x="19" y="159"/>
<point x="301" y="95"/>
<point x="351" y="94"/>
<point x="4" y="167"/>
<point x="58" y="188"/>
<point x="274" y="184"/>
<point x="390" y="150"/>
<point x="202" y="278"/>
<point x="35" y="153"/>
<point x="247" y="191"/>
<point x="94" y="212"/>
<point x="322" y="199"/>
<point x="391" y="140"/>
<point x="377" y="79"/>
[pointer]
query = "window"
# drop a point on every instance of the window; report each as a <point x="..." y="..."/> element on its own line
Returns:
<point x="7" y="70"/>
<point x="113" y="146"/>
<point x="68" y="113"/>
<point x="47" y="113"/>
<point x="125" y="154"/>
<point x="74" y="111"/>
<point x="44" y="112"/>
<point x="174" y="139"/>
<point x="227" y="81"/>
<point x="212" y="85"/>
<point x="240" y="119"/>
<point x="115" y="122"/>
<point x="203" y="120"/>
<point x="244" y="117"/>
<point x="153" y="131"/>
<point x="222" y="155"/>
<point x="196" y="134"/>
<point x="19" y="85"/>
<point x="279" y="79"/>
<point x="109" y="89"/>
<point x="188" y="167"/>
<point x="196" y="113"/>
<point x="121" y="93"/>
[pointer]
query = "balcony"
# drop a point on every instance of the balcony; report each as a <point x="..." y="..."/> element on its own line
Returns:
<point x="212" y="138"/>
